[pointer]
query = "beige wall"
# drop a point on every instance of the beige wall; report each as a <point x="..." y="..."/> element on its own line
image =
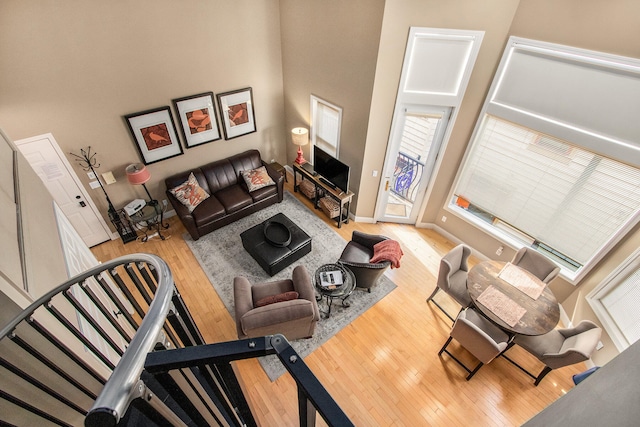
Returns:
<point x="74" y="68"/>
<point x="329" y="50"/>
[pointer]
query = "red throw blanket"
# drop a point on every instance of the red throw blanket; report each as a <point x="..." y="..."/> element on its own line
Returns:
<point x="387" y="250"/>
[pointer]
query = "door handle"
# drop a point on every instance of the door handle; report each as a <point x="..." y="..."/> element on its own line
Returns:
<point x="82" y="203"/>
<point x="386" y="185"/>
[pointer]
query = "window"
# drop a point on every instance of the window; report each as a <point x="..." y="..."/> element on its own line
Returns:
<point x="326" y="120"/>
<point x="566" y="201"/>
<point x="554" y="163"/>
<point x="615" y="302"/>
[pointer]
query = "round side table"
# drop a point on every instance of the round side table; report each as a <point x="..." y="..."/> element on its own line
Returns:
<point x="331" y="293"/>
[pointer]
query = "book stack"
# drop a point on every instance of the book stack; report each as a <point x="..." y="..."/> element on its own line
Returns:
<point x="331" y="279"/>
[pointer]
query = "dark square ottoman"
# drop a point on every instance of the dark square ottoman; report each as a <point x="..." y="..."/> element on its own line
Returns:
<point x="281" y="251"/>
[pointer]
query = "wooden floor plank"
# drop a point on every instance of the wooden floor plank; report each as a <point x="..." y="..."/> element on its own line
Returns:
<point x="383" y="369"/>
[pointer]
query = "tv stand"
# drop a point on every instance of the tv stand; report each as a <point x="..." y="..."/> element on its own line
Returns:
<point x="327" y="182"/>
<point x="325" y="188"/>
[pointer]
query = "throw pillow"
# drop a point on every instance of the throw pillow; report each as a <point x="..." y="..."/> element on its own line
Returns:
<point x="190" y="193"/>
<point x="287" y="296"/>
<point x="257" y="178"/>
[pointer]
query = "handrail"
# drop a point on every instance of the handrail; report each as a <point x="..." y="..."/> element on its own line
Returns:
<point x="154" y="260"/>
<point x="123" y="384"/>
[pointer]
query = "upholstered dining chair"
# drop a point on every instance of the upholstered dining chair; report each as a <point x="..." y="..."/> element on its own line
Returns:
<point x="560" y="347"/>
<point x="537" y="264"/>
<point x="452" y="277"/>
<point x="286" y="307"/>
<point x="479" y="336"/>
<point x="357" y="256"/>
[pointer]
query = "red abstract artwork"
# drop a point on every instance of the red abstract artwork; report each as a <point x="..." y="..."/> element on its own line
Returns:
<point x="238" y="114"/>
<point x="199" y="121"/>
<point x="156" y="136"/>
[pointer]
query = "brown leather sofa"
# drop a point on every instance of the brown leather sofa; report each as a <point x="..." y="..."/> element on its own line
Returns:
<point x="229" y="197"/>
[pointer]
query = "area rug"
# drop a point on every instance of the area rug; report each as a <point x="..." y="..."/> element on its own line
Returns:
<point x="222" y="257"/>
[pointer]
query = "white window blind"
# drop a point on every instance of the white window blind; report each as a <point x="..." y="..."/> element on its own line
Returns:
<point x="622" y="305"/>
<point x="562" y="195"/>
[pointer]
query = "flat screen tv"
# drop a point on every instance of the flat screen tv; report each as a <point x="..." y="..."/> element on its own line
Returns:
<point x="331" y="169"/>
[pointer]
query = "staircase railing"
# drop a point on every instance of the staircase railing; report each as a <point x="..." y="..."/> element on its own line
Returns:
<point x="116" y="345"/>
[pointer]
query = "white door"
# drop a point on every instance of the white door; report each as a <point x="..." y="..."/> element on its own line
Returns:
<point x="412" y="154"/>
<point x="45" y="157"/>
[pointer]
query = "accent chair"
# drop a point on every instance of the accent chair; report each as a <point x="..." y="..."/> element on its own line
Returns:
<point x="286" y="307"/>
<point x="357" y="255"/>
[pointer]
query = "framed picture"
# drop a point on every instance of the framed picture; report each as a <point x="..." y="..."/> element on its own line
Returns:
<point x="236" y="112"/>
<point x="154" y="133"/>
<point x="197" y="118"/>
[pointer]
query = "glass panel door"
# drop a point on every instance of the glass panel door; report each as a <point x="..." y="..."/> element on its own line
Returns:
<point x="414" y="149"/>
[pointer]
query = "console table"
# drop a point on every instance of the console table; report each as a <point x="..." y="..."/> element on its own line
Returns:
<point x="344" y="199"/>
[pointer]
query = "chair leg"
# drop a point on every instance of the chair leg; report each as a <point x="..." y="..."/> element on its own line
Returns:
<point x="445" y="346"/>
<point x="472" y="373"/>
<point x="469" y="371"/>
<point x="542" y="374"/>
<point x="435" y="291"/>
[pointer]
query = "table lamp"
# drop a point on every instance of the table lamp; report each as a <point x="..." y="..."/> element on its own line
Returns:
<point x="138" y="174"/>
<point x="300" y="137"/>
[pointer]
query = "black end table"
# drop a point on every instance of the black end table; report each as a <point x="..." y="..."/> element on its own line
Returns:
<point x="338" y="292"/>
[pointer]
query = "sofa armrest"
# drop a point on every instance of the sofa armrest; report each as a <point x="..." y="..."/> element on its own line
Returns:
<point x="242" y="300"/>
<point x="303" y="285"/>
<point x="185" y="216"/>
<point x="277" y="178"/>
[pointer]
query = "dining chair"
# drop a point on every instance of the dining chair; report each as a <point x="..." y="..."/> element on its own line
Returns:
<point x="479" y="336"/>
<point x="452" y="277"/>
<point x="560" y="347"/>
<point x="537" y="264"/>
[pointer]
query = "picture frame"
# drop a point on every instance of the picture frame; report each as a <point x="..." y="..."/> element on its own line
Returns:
<point x="154" y="134"/>
<point x="198" y="119"/>
<point x="236" y="112"/>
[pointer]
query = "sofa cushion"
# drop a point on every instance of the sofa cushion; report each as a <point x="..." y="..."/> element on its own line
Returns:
<point x="233" y="198"/>
<point x="219" y="175"/>
<point x="209" y="210"/>
<point x="286" y="296"/>
<point x="295" y="310"/>
<point x="189" y="193"/>
<point x="257" y="178"/>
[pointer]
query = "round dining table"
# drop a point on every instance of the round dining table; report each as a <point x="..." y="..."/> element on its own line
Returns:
<point x="542" y="314"/>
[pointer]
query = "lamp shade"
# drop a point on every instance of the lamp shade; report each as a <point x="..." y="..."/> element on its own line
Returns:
<point x="137" y="174"/>
<point x="300" y="136"/>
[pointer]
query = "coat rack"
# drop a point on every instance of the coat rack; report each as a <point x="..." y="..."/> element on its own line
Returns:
<point x="88" y="162"/>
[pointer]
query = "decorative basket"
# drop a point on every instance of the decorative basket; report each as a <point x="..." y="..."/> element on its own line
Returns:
<point x="307" y="188"/>
<point x="330" y="207"/>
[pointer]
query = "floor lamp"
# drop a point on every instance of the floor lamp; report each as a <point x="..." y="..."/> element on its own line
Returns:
<point x="138" y="174"/>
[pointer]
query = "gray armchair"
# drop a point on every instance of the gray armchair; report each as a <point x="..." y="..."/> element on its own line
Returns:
<point x="560" y="347"/>
<point x="274" y="308"/>
<point x="534" y="262"/>
<point x="452" y="277"/>
<point x="479" y="336"/>
<point x="356" y="256"/>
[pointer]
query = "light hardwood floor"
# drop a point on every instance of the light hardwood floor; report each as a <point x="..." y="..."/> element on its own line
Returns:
<point x="383" y="369"/>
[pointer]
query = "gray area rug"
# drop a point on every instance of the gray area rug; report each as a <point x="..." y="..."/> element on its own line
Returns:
<point x="222" y="257"/>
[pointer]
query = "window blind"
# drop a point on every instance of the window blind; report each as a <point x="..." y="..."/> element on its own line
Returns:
<point x="621" y="305"/>
<point x="565" y="196"/>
